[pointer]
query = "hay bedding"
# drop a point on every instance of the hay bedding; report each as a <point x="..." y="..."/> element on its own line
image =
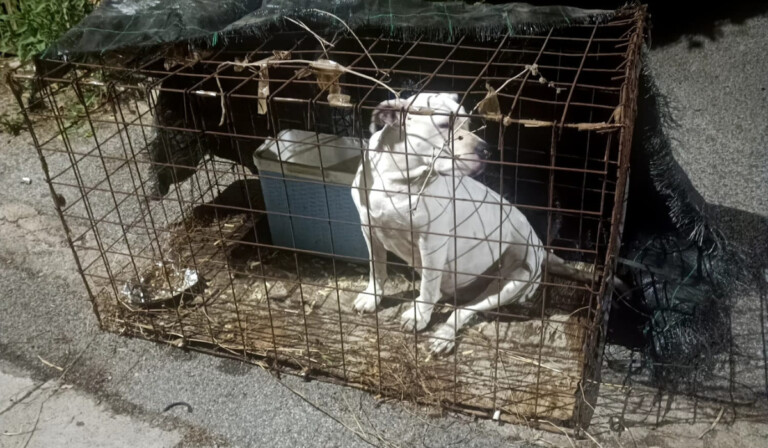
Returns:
<point x="253" y="302"/>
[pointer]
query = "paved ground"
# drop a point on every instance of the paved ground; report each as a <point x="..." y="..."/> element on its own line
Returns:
<point x="119" y="386"/>
<point x="52" y="413"/>
<point x="719" y="90"/>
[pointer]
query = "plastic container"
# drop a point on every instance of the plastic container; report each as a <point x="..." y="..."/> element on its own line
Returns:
<point x="309" y="203"/>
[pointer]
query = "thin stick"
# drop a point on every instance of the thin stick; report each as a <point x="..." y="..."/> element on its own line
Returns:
<point x="11" y="434"/>
<point x="630" y="435"/>
<point x="362" y="430"/>
<point x="354" y="417"/>
<point x="561" y="430"/>
<point x="223" y="105"/>
<point x="592" y="439"/>
<point x="618" y="442"/>
<point x="532" y="68"/>
<point x="719" y="416"/>
<point x="37" y="421"/>
<point x="77" y="358"/>
<point x="50" y="364"/>
<point x="353" y="35"/>
<point x="328" y="414"/>
<point x="584" y="397"/>
<point x="378" y="433"/>
<point x="435" y="155"/>
<point x="61" y="377"/>
<point x="322" y="41"/>
<point x="311" y="64"/>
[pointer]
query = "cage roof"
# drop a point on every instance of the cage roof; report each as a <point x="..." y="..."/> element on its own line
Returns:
<point x="133" y="24"/>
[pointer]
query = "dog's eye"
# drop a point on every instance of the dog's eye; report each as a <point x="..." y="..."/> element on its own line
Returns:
<point x="460" y="137"/>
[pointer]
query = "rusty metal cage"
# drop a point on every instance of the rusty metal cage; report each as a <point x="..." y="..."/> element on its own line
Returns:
<point x="151" y="165"/>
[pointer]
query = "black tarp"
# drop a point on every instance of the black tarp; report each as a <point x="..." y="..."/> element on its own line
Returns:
<point x="134" y="24"/>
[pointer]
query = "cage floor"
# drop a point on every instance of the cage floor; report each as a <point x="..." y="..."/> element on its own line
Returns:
<point x="275" y="304"/>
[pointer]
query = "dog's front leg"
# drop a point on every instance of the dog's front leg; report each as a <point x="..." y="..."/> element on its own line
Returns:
<point x="521" y="285"/>
<point x="368" y="300"/>
<point x="433" y="251"/>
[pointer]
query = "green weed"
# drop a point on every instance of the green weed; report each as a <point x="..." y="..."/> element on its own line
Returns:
<point x="12" y="124"/>
<point x="27" y="27"/>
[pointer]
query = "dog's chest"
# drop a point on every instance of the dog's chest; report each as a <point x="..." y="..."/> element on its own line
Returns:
<point x="392" y="221"/>
<point x="402" y="207"/>
<point x="391" y="212"/>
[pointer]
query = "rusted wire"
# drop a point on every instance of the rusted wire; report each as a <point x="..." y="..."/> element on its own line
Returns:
<point x="559" y="153"/>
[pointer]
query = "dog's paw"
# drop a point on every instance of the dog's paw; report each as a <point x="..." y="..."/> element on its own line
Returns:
<point x="414" y="318"/>
<point x="444" y="340"/>
<point x="366" y="302"/>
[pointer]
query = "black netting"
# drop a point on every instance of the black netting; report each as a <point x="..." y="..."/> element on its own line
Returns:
<point x="126" y="24"/>
<point x="686" y="274"/>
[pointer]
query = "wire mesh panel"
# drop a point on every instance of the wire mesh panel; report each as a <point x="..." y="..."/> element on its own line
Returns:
<point x="235" y="200"/>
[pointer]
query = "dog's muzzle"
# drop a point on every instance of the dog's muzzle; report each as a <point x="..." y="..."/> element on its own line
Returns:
<point x="482" y="150"/>
<point x="473" y="164"/>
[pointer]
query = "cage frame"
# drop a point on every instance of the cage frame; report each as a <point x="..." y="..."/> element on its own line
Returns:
<point x="622" y="128"/>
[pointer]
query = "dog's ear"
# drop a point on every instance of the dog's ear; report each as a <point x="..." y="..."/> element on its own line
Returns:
<point x="387" y="113"/>
<point x="453" y="96"/>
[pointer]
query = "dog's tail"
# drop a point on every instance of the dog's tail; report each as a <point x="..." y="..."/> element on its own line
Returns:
<point x="558" y="267"/>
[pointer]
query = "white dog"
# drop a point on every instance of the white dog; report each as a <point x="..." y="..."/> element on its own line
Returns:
<point x="414" y="183"/>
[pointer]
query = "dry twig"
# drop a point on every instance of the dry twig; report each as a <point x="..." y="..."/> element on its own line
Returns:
<point x="320" y="40"/>
<point x="353" y="35"/>
<point x="719" y="416"/>
<point x="50" y="364"/>
<point x="360" y="435"/>
<point x="565" y="433"/>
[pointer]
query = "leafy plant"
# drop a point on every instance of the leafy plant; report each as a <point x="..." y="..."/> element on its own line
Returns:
<point x="74" y="113"/>
<point x="12" y="124"/>
<point x="27" y="27"/>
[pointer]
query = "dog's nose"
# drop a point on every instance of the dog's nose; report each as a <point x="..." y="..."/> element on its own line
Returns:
<point x="482" y="150"/>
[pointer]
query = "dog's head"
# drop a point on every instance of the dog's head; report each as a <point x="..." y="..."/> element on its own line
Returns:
<point x="427" y="126"/>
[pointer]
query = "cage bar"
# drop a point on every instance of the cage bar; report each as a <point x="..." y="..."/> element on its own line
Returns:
<point x="196" y="266"/>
